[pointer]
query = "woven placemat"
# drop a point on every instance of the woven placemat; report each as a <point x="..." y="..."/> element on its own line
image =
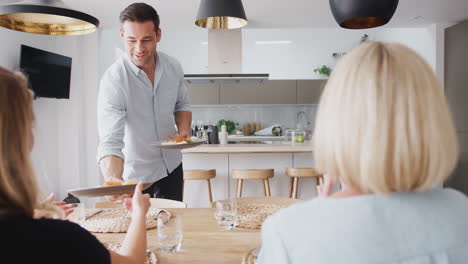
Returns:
<point x="249" y="257"/>
<point x="150" y="256"/>
<point x="253" y="215"/>
<point x="252" y="211"/>
<point x="117" y="220"/>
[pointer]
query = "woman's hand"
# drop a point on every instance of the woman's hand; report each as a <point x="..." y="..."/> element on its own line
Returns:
<point x="325" y="188"/>
<point x="67" y="208"/>
<point x="140" y="203"/>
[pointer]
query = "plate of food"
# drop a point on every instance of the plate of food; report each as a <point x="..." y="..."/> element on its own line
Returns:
<point x="179" y="142"/>
<point x="108" y="188"/>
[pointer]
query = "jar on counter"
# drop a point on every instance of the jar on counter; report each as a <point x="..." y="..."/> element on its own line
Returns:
<point x="246" y="129"/>
<point x="295" y="136"/>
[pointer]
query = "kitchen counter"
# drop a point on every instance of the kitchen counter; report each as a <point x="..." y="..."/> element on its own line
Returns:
<point x="250" y="148"/>
<point x="232" y="138"/>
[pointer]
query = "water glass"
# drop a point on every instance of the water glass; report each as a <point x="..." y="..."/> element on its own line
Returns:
<point x="226" y="213"/>
<point x="170" y="234"/>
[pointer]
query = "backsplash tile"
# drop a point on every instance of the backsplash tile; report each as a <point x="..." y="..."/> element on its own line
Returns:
<point x="284" y="115"/>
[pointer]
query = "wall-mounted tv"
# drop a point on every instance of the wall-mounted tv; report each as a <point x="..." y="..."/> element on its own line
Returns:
<point x="48" y="73"/>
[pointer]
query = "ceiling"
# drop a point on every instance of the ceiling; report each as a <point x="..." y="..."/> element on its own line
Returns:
<point x="180" y="14"/>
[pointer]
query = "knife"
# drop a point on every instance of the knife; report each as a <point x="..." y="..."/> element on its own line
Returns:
<point x="93" y="214"/>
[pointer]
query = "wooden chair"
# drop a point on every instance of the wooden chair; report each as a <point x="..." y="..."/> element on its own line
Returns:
<point x="295" y="174"/>
<point x="201" y="175"/>
<point x="242" y="175"/>
<point x="155" y="203"/>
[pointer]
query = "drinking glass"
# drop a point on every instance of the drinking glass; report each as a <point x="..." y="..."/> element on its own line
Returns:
<point x="226" y="213"/>
<point x="169" y="234"/>
<point x="199" y="125"/>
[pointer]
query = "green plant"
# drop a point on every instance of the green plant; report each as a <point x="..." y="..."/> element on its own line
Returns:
<point x="230" y="126"/>
<point x="364" y="38"/>
<point x="324" y="70"/>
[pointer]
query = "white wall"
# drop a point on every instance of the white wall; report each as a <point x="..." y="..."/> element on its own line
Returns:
<point x="312" y="48"/>
<point x="309" y="48"/>
<point x="66" y="133"/>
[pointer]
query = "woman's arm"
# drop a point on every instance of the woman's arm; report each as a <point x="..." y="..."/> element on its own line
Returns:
<point x="133" y="247"/>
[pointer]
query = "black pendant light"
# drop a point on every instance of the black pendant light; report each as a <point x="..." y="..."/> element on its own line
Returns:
<point x="221" y="14"/>
<point x="360" y="14"/>
<point x="49" y="17"/>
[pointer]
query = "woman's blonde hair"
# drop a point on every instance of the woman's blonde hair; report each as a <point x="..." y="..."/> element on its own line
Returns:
<point x="18" y="188"/>
<point x="383" y="124"/>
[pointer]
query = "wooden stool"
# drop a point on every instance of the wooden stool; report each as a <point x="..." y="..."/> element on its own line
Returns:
<point x="201" y="175"/>
<point x="295" y="174"/>
<point x="242" y="175"/>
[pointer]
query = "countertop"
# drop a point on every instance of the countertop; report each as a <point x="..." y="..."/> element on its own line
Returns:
<point x="250" y="148"/>
<point x="232" y="138"/>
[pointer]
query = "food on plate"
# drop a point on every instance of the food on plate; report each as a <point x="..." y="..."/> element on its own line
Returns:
<point x="111" y="183"/>
<point x="178" y="140"/>
<point x="129" y="182"/>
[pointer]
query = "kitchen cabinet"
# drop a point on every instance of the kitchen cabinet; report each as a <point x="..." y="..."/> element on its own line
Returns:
<point x="195" y="191"/>
<point x="278" y="92"/>
<point x="224" y="186"/>
<point x="241" y="93"/>
<point x="279" y="184"/>
<point x="309" y="91"/>
<point x="267" y="92"/>
<point x="203" y="93"/>
<point x="255" y="92"/>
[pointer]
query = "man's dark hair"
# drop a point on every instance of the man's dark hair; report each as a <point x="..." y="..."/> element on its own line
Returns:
<point x="140" y="12"/>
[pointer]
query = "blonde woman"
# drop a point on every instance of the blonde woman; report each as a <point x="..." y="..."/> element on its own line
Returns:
<point x="384" y="130"/>
<point x="29" y="240"/>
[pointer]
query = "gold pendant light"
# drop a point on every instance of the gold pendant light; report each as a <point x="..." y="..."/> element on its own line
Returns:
<point x="221" y="14"/>
<point x="49" y="17"/>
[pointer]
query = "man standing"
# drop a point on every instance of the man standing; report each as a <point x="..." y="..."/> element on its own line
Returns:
<point x="142" y="98"/>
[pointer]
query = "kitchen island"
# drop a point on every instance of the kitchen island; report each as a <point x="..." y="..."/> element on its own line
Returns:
<point x="224" y="158"/>
<point x="251" y="148"/>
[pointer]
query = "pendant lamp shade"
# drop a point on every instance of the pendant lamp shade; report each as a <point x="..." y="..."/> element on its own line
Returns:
<point x="360" y="14"/>
<point x="49" y="17"/>
<point x="221" y="14"/>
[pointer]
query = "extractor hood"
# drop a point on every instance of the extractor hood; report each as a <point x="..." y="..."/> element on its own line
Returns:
<point x="225" y="60"/>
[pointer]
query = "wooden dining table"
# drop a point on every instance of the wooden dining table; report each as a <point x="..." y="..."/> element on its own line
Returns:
<point x="203" y="240"/>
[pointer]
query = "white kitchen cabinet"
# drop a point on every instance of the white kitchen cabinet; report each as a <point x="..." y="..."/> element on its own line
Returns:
<point x="279" y="184"/>
<point x="224" y="186"/>
<point x="195" y="191"/>
<point x="307" y="186"/>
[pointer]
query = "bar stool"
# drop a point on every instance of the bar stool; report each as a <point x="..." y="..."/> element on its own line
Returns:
<point x="242" y="175"/>
<point x="295" y="174"/>
<point x="201" y="175"/>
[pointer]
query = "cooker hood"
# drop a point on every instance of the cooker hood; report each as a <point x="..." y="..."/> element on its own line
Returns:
<point x="225" y="60"/>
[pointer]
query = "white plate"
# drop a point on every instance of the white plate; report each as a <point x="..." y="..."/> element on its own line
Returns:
<point x="179" y="146"/>
<point x="106" y="190"/>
